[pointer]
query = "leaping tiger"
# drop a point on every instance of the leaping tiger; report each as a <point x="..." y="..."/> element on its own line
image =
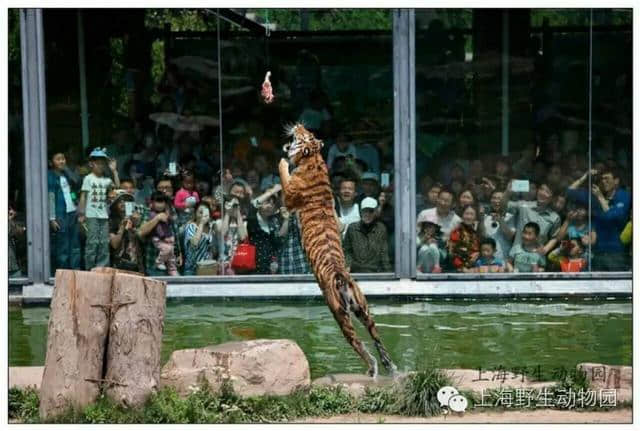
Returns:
<point x="307" y="190"/>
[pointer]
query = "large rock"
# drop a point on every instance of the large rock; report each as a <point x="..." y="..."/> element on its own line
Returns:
<point x="255" y="367"/>
<point x="603" y="376"/>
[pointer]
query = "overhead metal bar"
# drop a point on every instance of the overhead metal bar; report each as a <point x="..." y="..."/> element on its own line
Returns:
<point x="240" y="20"/>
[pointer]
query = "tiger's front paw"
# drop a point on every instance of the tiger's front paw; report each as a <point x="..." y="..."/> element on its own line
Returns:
<point x="283" y="166"/>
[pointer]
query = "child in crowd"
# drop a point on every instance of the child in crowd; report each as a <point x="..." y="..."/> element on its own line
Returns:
<point x="93" y="208"/>
<point x="65" y="239"/>
<point x="186" y="198"/>
<point x="487" y="262"/>
<point x="162" y="235"/>
<point x="429" y="252"/>
<point x="570" y="256"/>
<point x="128" y="185"/>
<point x="576" y="226"/>
<point x="525" y="257"/>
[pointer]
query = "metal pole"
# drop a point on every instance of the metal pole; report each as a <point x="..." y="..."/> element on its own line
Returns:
<point x="84" y="110"/>
<point x="505" y="82"/>
<point x="35" y="143"/>
<point x="404" y="141"/>
<point x="590" y="136"/>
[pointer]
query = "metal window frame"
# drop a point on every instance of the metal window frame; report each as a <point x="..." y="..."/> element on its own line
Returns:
<point x="35" y="143"/>
<point x="403" y="34"/>
<point x="404" y="141"/>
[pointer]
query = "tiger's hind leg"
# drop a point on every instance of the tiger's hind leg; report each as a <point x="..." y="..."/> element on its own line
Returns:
<point x="360" y="309"/>
<point x="340" y="307"/>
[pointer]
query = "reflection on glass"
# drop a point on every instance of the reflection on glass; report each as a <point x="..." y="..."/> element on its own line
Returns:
<point x="503" y="150"/>
<point x="163" y="156"/>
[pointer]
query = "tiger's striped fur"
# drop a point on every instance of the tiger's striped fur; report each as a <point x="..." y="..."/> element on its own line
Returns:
<point x="307" y="190"/>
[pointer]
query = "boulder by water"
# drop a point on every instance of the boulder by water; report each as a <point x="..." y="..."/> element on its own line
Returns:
<point x="254" y="367"/>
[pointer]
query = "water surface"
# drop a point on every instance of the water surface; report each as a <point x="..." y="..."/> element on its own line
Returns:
<point x="543" y="334"/>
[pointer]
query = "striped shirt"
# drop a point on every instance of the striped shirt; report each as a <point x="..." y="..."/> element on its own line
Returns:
<point x="194" y="254"/>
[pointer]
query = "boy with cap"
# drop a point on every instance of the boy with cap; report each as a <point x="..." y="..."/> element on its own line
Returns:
<point x="93" y="208"/>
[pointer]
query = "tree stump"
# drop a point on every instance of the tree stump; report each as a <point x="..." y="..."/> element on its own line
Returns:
<point x="135" y="338"/>
<point x="77" y="334"/>
<point x="113" y="271"/>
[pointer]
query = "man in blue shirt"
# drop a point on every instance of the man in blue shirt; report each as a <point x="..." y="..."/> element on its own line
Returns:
<point x="609" y="213"/>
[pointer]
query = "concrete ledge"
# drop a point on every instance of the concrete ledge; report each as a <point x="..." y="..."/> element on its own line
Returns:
<point x="23" y="377"/>
<point x="404" y="287"/>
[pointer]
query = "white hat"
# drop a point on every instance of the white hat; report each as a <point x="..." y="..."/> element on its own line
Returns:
<point x="370" y="176"/>
<point x="368" y="203"/>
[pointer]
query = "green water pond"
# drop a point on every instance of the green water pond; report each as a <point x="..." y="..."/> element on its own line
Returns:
<point x="542" y="334"/>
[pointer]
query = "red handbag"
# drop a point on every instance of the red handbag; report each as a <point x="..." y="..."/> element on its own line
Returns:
<point x="244" y="258"/>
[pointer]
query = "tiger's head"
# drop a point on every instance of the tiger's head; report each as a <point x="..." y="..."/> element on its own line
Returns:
<point x="303" y="144"/>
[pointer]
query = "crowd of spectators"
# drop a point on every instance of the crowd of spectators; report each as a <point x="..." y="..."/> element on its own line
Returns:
<point x="184" y="216"/>
<point x="165" y="205"/>
<point x="547" y="213"/>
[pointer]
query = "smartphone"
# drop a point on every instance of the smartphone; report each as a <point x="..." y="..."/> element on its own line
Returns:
<point x="172" y="168"/>
<point x="128" y="209"/>
<point x="384" y="179"/>
<point x="520" y="186"/>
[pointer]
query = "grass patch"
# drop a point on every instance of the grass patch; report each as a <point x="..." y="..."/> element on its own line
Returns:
<point x="416" y="395"/>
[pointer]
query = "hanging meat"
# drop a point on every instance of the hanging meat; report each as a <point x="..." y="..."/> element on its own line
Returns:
<point x="267" y="90"/>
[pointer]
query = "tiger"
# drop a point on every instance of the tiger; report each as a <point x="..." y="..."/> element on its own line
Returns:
<point x="307" y="191"/>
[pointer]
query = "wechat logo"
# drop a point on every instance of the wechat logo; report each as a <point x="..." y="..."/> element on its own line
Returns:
<point x="449" y="398"/>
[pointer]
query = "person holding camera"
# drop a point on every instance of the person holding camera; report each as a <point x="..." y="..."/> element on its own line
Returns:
<point x="124" y="244"/>
<point x="232" y="229"/>
<point x="609" y="213"/>
<point x="263" y="225"/>
<point x="148" y="224"/>
<point x="199" y="238"/>
<point x="499" y="225"/>
<point x="539" y="212"/>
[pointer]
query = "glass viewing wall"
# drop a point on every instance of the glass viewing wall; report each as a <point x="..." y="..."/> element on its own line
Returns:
<point x="161" y="156"/>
